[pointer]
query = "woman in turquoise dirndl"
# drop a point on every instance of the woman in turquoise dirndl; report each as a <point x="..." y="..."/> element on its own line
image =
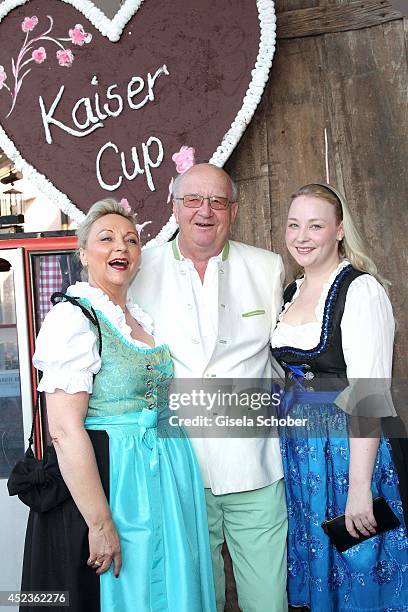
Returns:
<point x="134" y="534"/>
<point x="336" y="329"/>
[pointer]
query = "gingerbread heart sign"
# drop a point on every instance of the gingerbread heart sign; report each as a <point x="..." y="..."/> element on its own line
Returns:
<point x="93" y="108"/>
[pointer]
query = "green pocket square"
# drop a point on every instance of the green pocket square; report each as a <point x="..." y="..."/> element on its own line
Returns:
<point x="253" y="313"/>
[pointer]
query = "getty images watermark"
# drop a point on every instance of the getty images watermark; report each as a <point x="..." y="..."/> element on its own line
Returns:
<point x="200" y="398"/>
<point x="219" y="403"/>
<point x="229" y="408"/>
<point x="309" y="407"/>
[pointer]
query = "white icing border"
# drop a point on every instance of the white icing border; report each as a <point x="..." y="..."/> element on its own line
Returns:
<point x="112" y="29"/>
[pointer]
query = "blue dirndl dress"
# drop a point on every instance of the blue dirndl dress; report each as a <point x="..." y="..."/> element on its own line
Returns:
<point x="373" y="575"/>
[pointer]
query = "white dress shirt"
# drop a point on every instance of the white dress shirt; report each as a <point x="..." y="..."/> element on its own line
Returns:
<point x="205" y="296"/>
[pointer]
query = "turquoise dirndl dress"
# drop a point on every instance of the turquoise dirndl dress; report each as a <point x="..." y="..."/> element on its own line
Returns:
<point x="152" y="481"/>
<point x="155" y="490"/>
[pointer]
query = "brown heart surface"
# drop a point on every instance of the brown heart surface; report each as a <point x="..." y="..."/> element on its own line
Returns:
<point x="100" y="118"/>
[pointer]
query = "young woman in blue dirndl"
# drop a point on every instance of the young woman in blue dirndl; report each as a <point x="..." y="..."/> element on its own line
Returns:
<point x="335" y="338"/>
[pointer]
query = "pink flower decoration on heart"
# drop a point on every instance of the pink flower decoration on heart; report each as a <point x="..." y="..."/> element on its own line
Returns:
<point x="3" y="77"/>
<point x="184" y="159"/>
<point x="29" y="23"/>
<point x="39" y="55"/>
<point x="29" y="52"/>
<point x="125" y="205"/>
<point x="78" y="36"/>
<point x="65" y="57"/>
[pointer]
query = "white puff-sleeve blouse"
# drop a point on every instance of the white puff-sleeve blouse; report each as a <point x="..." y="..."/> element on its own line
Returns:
<point x="66" y="349"/>
<point x="367" y="329"/>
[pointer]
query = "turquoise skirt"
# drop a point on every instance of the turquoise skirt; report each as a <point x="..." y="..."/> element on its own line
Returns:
<point x="157" y="502"/>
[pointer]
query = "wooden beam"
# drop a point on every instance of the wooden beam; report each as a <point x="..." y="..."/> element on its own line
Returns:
<point x="335" y="18"/>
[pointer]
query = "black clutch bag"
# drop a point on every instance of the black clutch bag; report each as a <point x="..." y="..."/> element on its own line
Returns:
<point x="336" y="530"/>
<point x="38" y="482"/>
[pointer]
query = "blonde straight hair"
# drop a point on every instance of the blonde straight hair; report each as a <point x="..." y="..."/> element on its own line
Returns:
<point x="353" y="246"/>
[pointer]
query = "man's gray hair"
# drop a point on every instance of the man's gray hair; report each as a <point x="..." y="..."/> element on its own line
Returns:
<point x="175" y="192"/>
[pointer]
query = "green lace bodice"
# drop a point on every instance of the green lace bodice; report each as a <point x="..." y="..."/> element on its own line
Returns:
<point x="130" y="378"/>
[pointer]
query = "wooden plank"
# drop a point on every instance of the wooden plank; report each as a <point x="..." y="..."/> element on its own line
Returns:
<point x="334" y="18"/>
<point x="294" y="5"/>
<point x="249" y="167"/>
<point x="296" y="122"/>
<point x="253" y="224"/>
<point x="251" y="155"/>
<point x="366" y="83"/>
<point x="405" y="26"/>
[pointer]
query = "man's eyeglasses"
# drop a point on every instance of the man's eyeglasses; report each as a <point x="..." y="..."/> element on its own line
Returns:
<point x="193" y="200"/>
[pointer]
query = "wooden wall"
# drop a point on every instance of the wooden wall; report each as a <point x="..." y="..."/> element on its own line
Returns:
<point x="355" y="84"/>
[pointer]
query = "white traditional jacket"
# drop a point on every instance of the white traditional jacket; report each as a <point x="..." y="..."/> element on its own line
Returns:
<point x="249" y="301"/>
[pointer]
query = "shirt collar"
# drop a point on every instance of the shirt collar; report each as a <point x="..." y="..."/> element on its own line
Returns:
<point x="223" y="256"/>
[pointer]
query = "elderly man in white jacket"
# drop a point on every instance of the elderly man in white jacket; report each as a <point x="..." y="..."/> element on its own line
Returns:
<point x="214" y="301"/>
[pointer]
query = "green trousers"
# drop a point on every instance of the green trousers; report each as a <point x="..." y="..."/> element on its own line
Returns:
<point x="254" y="524"/>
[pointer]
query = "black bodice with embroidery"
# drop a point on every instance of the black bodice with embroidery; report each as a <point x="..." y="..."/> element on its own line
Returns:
<point x="326" y="359"/>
